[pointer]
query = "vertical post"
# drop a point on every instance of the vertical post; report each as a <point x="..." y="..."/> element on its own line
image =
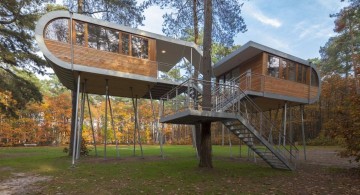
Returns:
<point x="155" y="120"/>
<point x="284" y="133"/>
<point x="76" y="121"/>
<point x="135" y="118"/>
<point x="113" y="127"/>
<point x="230" y="145"/>
<point x="82" y="108"/>
<point x="105" y="129"/>
<point x="161" y="132"/>
<point x="303" y="130"/>
<point x="71" y="42"/>
<point x="138" y="128"/>
<point x="92" y="125"/>
<point x="291" y="128"/>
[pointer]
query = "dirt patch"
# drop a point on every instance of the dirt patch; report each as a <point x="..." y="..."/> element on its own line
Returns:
<point x="21" y="183"/>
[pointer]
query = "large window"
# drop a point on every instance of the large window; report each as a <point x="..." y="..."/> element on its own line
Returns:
<point x="273" y="66"/>
<point x="125" y="49"/>
<point x="284" y="69"/>
<point x="98" y="37"/>
<point x="292" y="71"/>
<point x="79" y="33"/>
<point x="139" y="47"/>
<point x="314" y="80"/>
<point x="58" y="30"/>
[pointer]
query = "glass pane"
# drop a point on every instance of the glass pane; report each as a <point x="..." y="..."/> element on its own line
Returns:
<point x="235" y="73"/>
<point x="300" y="73"/>
<point x="284" y="70"/>
<point x="273" y="66"/>
<point x="125" y="44"/>
<point x="111" y="40"/>
<point x="292" y="71"/>
<point x="80" y="33"/>
<point x="145" y="49"/>
<point x="136" y="46"/>
<point x="305" y="73"/>
<point x="314" y="79"/>
<point x="58" y="30"/>
<point x="94" y="36"/>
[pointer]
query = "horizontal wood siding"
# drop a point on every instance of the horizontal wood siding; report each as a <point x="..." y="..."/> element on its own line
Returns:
<point x="255" y="64"/>
<point x="103" y="59"/>
<point x="285" y="87"/>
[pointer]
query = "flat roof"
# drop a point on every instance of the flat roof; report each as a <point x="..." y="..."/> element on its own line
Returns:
<point x="246" y="52"/>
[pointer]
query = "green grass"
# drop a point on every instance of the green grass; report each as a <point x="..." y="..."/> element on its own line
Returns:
<point x="177" y="173"/>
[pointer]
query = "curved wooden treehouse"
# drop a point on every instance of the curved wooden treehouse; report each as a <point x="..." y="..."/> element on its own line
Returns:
<point x="98" y="50"/>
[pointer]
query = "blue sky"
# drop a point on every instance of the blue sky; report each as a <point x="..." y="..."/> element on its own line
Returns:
<point x="297" y="27"/>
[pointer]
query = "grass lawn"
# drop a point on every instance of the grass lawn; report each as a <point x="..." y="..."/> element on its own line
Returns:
<point x="177" y="173"/>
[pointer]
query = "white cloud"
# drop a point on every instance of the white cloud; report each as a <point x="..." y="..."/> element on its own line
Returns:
<point x="260" y="16"/>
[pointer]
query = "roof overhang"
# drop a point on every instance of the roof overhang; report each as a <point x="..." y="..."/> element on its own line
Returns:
<point x="248" y="51"/>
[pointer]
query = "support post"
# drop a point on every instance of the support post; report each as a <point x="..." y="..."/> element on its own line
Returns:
<point x="284" y="133"/>
<point x="137" y="125"/>
<point x="76" y="121"/>
<point x="92" y="125"/>
<point x="155" y="120"/>
<point x="113" y="127"/>
<point x="105" y="128"/>
<point x="303" y="130"/>
<point x="82" y="108"/>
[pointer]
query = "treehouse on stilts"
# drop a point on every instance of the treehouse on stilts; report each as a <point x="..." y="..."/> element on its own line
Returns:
<point x="97" y="57"/>
<point x="253" y="84"/>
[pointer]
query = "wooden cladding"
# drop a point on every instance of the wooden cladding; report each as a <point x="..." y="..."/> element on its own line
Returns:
<point x="102" y="59"/>
<point x="291" y="81"/>
<point x="101" y="47"/>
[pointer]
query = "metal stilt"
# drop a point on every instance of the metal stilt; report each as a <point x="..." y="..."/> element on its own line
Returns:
<point x="80" y="128"/>
<point x="303" y="129"/>
<point x="92" y="125"/>
<point x="156" y="121"/>
<point x="138" y="128"/>
<point x="113" y="127"/>
<point x="76" y="121"/>
<point x="105" y="129"/>
<point x="284" y="133"/>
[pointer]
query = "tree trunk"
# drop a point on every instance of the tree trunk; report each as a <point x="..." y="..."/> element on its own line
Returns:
<point x="205" y="149"/>
<point x="196" y="22"/>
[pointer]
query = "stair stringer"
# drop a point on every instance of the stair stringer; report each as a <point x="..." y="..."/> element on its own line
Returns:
<point x="264" y="142"/>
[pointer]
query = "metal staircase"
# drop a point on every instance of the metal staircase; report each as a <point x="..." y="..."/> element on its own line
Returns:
<point x="249" y="123"/>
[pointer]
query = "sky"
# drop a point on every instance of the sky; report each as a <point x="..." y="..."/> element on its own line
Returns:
<point x="296" y="27"/>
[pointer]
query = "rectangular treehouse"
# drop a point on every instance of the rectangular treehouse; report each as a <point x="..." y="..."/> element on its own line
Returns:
<point x="269" y="76"/>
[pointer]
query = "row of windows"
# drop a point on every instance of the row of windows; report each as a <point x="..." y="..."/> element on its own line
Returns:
<point x="286" y="69"/>
<point x="98" y="37"/>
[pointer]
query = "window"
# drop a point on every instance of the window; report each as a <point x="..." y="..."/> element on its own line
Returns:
<point x="273" y="66"/>
<point x="111" y="40"/>
<point x="58" y="30"/>
<point x="125" y="44"/>
<point x="79" y="33"/>
<point x="94" y="36"/>
<point x="292" y="71"/>
<point x="314" y="79"/>
<point x="284" y="69"/>
<point x="300" y="73"/>
<point x="139" y="47"/>
<point x="305" y="73"/>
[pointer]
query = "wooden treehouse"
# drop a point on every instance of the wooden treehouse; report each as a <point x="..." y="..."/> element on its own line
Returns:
<point x="252" y="84"/>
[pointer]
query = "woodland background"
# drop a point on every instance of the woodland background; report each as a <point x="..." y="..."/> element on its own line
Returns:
<point x="34" y="110"/>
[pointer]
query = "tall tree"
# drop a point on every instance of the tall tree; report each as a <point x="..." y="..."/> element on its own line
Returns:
<point x="186" y="21"/>
<point x="18" y="51"/>
<point x="205" y="147"/>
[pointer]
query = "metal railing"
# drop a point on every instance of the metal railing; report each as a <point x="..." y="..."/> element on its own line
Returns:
<point x="230" y="97"/>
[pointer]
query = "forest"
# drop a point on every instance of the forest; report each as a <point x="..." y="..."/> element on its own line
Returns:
<point x="38" y="110"/>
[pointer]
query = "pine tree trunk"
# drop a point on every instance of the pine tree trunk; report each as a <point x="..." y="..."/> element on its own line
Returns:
<point x="205" y="144"/>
